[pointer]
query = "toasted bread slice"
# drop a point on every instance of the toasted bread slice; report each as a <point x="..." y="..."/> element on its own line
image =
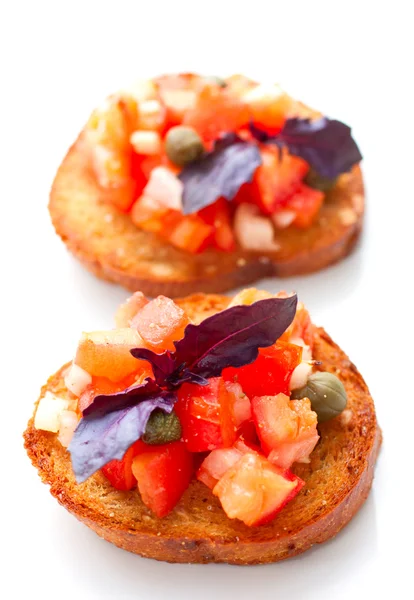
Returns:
<point x="337" y="482"/>
<point x="113" y="248"/>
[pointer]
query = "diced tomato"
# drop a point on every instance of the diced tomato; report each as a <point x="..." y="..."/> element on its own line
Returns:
<point x="269" y="373"/>
<point x="269" y="106"/>
<point x="240" y="403"/>
<point x="218" y="216"/>
<point x="148" y="214"/>
<point x="177" y="81"/>
<point x="102" y="385"/>
<point x="219" y="461"/>
<point x="189" y="233"/>
<point x="163" y="474"/>
<point x="216" y="112"/>
<point x="160" y="323"/>
<point x="254" y="491"/>
<point x="119" y="472"/>
<point x="301" y="327"/>
<point x="216" y="464"/>
<point x="107" y="353"/>
<point x="146" y="164"/>
<point x="206" y="415"/>
<point x="238" y="85"/>
<point x="129" y="309"/>
<point x="287" y="429"/>
<point x="305" y="203"/>
<point x="277" y="178"/>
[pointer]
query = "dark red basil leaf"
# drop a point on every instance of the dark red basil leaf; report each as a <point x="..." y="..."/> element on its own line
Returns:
<point x="219" y="174"/>
<point x="106" y="403"/>
<point x="232" y="338"/>
<point x="162" y="364"/>
<point x="326" y="144"/>
<point x="99" y="439"/>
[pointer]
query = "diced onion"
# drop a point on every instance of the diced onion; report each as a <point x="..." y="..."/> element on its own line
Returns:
<point x="254" y="231"/>
<point x="77" y="379"/>
<point x="48" y="412"/>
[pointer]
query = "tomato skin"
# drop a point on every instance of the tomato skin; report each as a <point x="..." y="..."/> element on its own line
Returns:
<point x="206" y="415"/>
<point x="119" y="472"/>
<point x="271" y="371"/>
<point x="163" y="473"/>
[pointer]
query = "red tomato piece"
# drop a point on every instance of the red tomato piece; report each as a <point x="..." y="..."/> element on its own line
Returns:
<point x="269" y="106"/>
<point x="219" y="461"/>
<point x="119" y="472"/>
<point x="254" y="491"/>
<point x="190" y="233"/>
<point x="301" y="327"/>
<point x="305" y="203"/>
<point x="218" y="216"/>
<point x="277" y="178"/>
<point x="206" y="415"/>
<point x="216" y="464"/>
<point x="216" y="112"/>
<point x="160" y="323"/>
<point x="127" y="311"/>
<point x="287" y="429"/>
<point x="271" y="371"/>
<point x="163" y="473"/>
<point x="148" y="214"/>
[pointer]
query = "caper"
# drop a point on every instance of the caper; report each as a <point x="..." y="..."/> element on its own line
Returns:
<point x="162" y="428"/>
<point x="183" y="145"/>
<point x="215" y="80"/>
<point x="318" y="182"/>
<point x="326" y="394"/>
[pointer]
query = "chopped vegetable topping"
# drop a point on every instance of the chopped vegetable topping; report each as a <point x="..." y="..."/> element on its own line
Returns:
<point x="169" y="149"/>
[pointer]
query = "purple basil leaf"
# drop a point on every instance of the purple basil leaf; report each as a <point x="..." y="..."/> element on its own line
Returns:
<point x="232" y="338"/>
<point x="183" y="375"/>
<point x="162" y="364"/>
<point x="221" y="173"/>
<point x="167" y="372"/>
<point x="99" y="439"/>
<point x="326" y="144"/>
<point x="106" y="403"/>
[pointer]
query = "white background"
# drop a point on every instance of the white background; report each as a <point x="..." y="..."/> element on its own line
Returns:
<point x="352" y="60"/>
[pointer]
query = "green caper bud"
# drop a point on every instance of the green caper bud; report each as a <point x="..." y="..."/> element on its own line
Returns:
<point x="183" y="145"/>
<point x="326" y="394"/>
<point x="162" y="428"/>
<point x="213" y="79"/>
<point x="318" y="182"/>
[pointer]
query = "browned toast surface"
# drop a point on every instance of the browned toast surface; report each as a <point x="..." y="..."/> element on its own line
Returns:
<point x="112" y="247"/>
<point x="337" y="482"/>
